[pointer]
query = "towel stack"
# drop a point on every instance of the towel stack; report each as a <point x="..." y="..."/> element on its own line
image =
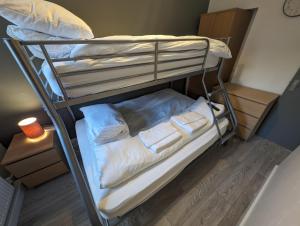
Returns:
<point x="160" y="137"/>
<point x="190" y="121"/>
<point x="166" y="134"/>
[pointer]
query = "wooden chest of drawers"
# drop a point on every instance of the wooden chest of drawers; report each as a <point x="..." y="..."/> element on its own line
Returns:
<point x="34" y="162"/>
<point x="251" y="107"/>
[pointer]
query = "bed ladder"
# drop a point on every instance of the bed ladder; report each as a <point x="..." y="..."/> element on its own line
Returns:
<point x="228" y="113"/>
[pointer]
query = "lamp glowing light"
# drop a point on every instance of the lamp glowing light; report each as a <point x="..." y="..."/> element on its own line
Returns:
<point x="31" y="128"/>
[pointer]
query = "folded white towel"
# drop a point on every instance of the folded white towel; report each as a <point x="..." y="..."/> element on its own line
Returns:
<point x="156" y="133"/>
<point x="189" y="121"/>
<point x="160" y="137"/>
<point x="165" y="143"/>
<point x="105" y="123"/>
<point x="187" y="118"/>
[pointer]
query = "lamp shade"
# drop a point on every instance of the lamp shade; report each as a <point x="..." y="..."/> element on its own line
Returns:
<point x="31" y="128"/>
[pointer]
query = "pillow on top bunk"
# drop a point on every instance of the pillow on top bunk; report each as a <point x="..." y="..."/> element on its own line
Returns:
<point x="105" y="123"/>
<point x="46" y="17"/>
<point x="54" y="51"/>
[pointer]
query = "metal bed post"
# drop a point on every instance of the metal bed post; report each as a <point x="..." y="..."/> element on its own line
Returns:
<point x="155" y="59"/>
<point x="209" y="101"/>
<point x="227" y="102"/>
<point x="65" y="96"/>
<point x="18" y="54"/>
<point x="187" y="82"/>
<point x="226" y="97"/>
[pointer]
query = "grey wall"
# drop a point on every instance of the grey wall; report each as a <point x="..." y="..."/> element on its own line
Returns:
<point x="3" y="172"/>
<point x="113" y="17"/>
<point x="16" y="97"/>
<point x="282" y="126"/>
<point x="139" y="17"/>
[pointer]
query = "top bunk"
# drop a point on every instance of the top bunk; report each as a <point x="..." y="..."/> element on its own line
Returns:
<point x="73" y="72"/>
<point x="62" y="59"/>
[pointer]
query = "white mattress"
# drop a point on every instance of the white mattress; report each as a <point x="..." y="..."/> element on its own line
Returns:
<point x="140" y="113"/>
<point x="122" y="82"/>
<point x="121" y="160"/>
<point x="118" y="201"/>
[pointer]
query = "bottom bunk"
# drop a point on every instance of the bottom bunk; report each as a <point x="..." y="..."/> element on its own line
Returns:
<point x="151" y="109"/>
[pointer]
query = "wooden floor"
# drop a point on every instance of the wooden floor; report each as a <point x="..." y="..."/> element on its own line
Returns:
<point x="213" y="190"/>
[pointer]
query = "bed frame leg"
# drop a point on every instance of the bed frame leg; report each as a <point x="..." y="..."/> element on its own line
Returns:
<point x="105" y="222"/>
<point x="187" y="83"/>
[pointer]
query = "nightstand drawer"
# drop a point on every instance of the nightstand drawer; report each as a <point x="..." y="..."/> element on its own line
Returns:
<point x="34" y="163"/>
<point x="243" y="132"/>
<point x="250" y="107"/>
<point x="243" y="105"/>
<point x="44" y="175"/>
<point x="246" y="120"/>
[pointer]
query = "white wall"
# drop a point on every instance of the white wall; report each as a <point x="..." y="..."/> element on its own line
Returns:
<point x="271" y="54"/>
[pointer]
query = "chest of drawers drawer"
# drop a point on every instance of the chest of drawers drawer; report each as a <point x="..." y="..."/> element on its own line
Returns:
<point x="33" y="163"/>
<point x="43" y="175"/>
<point x="251" y="107"/>
<point x="246" y="120"/>
<point x="243" y="105"/>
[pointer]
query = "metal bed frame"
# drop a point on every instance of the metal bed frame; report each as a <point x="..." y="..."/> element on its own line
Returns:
<point x="30" y="66"/>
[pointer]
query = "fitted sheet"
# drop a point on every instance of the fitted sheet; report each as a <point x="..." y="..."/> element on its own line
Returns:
<point x="120" y="74"/>
<point x="119" y="161"/>
<point x="120" y="200"/>
<point x="154" y="108"/>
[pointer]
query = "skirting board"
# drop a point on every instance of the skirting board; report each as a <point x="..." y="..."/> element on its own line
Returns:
<point x="16" y="205"/>
<point x="257" y="198"/>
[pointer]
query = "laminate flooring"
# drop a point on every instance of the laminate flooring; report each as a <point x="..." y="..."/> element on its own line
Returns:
<point x="214" y="190"/>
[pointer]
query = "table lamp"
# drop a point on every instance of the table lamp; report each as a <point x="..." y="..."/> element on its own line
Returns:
<point x="31" y="127"/>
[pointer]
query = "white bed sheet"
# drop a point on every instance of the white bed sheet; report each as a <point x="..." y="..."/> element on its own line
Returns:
<point x="118" y="161"/>
<point x="90" y="64"/>
<point x="120" y="200"/>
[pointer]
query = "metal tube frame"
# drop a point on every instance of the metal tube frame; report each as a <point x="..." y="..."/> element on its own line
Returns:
<point x="19" y="50"/>
<point x="227" y="101"/>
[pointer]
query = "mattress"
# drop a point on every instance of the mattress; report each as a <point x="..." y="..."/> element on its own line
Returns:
<point x="122" y="75"/>
<point x="118" y="161"/>
<point x="120" y="200"/>
<point x="155" y="108"/>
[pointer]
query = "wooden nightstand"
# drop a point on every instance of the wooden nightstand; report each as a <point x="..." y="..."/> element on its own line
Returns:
<point x="34" y="162"/>
<point x="251" y="107"/>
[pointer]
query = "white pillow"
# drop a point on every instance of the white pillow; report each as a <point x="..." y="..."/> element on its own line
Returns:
<point x="105" y="123"/>
<point x="54" y="51"/>
<point x="46" y="17"/>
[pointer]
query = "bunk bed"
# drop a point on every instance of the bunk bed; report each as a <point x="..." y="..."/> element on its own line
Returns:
<point x="66" y="82"/>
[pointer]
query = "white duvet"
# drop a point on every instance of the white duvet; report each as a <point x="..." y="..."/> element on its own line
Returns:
<point x="119" y="161"/>
<point x="216" y="48"/>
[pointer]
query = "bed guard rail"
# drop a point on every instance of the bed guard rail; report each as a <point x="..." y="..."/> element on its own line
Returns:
<point x="64" y="101"/>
